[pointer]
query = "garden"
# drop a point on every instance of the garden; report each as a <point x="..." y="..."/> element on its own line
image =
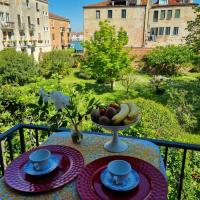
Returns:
<point x="165" y="85"/>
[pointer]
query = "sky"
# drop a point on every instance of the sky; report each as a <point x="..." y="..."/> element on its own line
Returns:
<point x="73" y="10"/>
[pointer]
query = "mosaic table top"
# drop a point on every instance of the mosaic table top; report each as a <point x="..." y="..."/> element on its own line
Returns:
<point x="92" y="149"/>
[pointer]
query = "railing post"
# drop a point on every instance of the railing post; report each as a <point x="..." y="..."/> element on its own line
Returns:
<point x="36" y="137"/>
<point x="182" y="174"/>
<point x="10" y="147"/>
<point x="1" y="160"/>
<point x="22" y="143"/>
<point x="165" y="158"/>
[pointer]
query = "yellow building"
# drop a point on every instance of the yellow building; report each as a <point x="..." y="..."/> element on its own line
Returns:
<point x="147" y="24"/>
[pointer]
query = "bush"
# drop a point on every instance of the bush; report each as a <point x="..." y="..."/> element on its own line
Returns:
<point x="157" y="121"/>
<point x="168" y="60"/>
<point x="56" y="62"/>
<point x="16" y="68"/>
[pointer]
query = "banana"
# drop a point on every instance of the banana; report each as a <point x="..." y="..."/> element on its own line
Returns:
<point x="133" y="111"/>
<point x="123" y="113"/>
<point x="128" y="121"/>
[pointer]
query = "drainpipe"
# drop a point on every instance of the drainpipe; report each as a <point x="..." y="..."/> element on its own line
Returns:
<point x="146" y="22"/>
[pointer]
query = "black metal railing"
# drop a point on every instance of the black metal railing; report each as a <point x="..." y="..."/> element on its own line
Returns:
<point x="20" y="128"/>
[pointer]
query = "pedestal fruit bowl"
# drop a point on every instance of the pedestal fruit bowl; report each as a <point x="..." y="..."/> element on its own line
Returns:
<point x="114" y="118"/>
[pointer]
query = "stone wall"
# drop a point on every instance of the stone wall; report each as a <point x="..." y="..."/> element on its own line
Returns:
<point x="133" y="23"/>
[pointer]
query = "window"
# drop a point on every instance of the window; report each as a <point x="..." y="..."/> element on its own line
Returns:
<point x="169" y="14"/>
<point x="1" y="16"/>
<point x="37" y="7"/>
<point x="46" y="28"/>
<point x="7" y="17"/>
<point x="97" y="14"/>
<point x="109" y="14"/>
<point x="177" y="13"/>
<point x="123" y="13"/>
<point x="155" y="16"/>
<point x="29" y="20"/>
<point x="161" y="31"/>
<point x="38" y="21"/>
<point x="176" y="29"/>
<point x="163" y="2"/>
<point x="19" y="20"/>
<point x="167" y="31"/>
<point x="27" y="3"/>
<point x="4" y="35"/>
<point x="154" y="31"/>
<point x="162" y="14"/>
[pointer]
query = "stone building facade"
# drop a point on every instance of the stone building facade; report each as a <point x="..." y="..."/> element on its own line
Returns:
<point x="147" y="24"/>
<point x="60" y="31"/>
<point x="25" y="26"/>
<point x="77" y="36"/>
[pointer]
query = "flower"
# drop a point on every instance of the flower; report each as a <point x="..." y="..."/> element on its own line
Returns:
<point x="44" y="95"/>
<point x="59" y="100"/>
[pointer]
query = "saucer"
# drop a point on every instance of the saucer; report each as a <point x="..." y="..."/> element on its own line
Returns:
<point x="129" y="183"/>
<point x="52" y="164"/>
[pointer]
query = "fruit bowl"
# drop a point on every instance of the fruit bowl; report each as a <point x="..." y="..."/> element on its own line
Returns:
<point x="116" y="145"/>
<point x="116" y="118"/>
<point x="118" y="128"/>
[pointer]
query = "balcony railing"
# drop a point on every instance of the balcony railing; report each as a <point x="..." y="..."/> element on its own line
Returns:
<point x="7" y="25"/>
<point x="31" y="27"/>
<point x="5" y="2"/>
<point x="22" y="129"/>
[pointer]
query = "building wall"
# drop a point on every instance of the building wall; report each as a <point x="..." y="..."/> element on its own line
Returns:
<point x="139" y="22"/>
<point x="186" y="14"/>
<point x="34" y="38"/>
<point x="59" y="27"/>
<point x="77" y="36"/>
<point x="133" y="23"/>
<point x="4" y="8"/>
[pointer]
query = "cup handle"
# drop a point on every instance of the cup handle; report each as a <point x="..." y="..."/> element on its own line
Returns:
<point x="36" y="166"/>
<point x="116" y="180"/>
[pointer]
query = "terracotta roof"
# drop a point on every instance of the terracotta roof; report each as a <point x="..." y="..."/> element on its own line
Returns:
<point x="54" y="16"/>
<point x="143" y="2"/>
<point x="100" y="4"/>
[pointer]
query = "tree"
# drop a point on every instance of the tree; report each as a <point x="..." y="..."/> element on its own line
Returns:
<point x="168" y="60"/>
<point x="128" y="79"/>
<point x="56" y="62"/>
<point x="193" y="38"/>
<point x="105" y="56"/>
<point x="16" y="68"/>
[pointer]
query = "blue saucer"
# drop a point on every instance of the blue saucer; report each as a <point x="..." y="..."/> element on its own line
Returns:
<point x="129" y="183"/>
<point x="52" y="164"/>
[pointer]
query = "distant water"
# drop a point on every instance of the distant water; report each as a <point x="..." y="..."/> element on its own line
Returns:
<point x="77" y="46"/>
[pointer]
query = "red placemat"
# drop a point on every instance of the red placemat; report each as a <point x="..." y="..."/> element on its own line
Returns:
<point x="153" y="184"/>
<point x="71" y="163"/>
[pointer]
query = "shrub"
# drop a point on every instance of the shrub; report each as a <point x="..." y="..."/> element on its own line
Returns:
<point x="16" y="68"/>
<point x="157" y="121"/>
<point x="168" y="60"/>
<point x="56" y="62"/>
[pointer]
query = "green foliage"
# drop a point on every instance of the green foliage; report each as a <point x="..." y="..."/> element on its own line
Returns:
<point x="168" y="60"/>
<point x="105" y="56"/>
<point x="56" y="63"/>
<point x="128" y="79"/>
<point x="183" y="109"/>
<point x="16" y="68"/>
<point x="193" y="38"/>
<point x="157" y="121"/>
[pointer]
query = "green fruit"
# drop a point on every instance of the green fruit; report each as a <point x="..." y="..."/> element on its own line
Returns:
<point x="103" y="120"/>
<point x="95" y="115"/>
